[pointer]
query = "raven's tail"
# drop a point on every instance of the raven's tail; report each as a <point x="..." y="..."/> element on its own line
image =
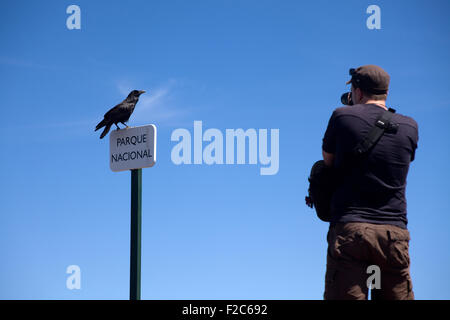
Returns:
<point x="101" y="124"/>
<point x="105" y="132"/>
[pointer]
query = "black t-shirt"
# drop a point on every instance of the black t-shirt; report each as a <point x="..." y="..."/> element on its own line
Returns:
<point x="372" y="191"/>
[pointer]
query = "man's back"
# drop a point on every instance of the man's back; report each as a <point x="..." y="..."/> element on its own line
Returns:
<point x="372" y="191"/>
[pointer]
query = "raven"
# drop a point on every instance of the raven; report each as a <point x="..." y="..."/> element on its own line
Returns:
<point x="120" y="113"/>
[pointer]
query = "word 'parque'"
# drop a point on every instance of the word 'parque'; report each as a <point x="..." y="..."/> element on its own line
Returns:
<point x="132" y="140"/>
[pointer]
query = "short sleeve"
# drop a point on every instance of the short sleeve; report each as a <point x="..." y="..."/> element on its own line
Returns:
<point x="329" y="139"/>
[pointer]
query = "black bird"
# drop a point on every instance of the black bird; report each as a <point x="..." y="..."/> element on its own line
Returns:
<point x="120" y="113"/>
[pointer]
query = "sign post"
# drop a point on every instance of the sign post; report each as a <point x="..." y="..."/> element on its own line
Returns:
<point x="135" y="232"/>
<point x="134" y="149"/>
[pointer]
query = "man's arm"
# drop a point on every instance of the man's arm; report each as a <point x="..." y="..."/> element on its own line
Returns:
<point x="329" y="141"/>
<point x="328" y="158"/>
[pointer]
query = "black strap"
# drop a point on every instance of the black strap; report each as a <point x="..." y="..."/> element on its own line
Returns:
<point x="381" y="125"/>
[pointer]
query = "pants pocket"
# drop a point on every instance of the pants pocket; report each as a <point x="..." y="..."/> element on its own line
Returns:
<point x="399" y="249"/>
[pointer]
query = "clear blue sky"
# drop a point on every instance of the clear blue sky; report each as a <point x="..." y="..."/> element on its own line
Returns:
<point x="209" y="232"/>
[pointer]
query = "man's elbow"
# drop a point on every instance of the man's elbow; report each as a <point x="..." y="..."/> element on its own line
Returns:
<point x="328" y="158"/>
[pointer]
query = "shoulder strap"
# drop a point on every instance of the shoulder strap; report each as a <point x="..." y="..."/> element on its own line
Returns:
<point x="375" y="133"/>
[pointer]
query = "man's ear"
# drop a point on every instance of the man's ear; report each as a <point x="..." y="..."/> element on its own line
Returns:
<point x="359" y="94"/>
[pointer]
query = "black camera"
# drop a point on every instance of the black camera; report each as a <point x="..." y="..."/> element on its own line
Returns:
<point x="346" y="99"/>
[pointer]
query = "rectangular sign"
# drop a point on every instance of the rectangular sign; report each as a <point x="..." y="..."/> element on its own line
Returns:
<point x="132" y="148"/>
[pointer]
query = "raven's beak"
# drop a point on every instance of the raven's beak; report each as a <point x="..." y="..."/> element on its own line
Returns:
<point x="142" y="91"/>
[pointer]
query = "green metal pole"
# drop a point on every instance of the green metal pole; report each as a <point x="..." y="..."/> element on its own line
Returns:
<point x="135" y="240"/>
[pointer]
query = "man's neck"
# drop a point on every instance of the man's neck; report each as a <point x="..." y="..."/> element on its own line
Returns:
<point x="378" y="103"/>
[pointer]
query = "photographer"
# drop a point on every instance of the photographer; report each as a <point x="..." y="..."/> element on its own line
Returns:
<point x="368" y="224"/>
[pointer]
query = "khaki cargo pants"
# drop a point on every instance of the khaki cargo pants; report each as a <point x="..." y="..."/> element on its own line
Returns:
<point x="353" y="247"/>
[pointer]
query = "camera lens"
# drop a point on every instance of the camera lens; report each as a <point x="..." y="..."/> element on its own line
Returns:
<point x="346" y="99"/>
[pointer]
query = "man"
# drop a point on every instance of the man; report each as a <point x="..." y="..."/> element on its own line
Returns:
<point x="369" y="223"/>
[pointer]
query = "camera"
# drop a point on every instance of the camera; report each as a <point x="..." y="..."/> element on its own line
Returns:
<point x="346" y="99"/>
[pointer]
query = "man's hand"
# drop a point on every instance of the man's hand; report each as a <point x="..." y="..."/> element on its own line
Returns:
<point x="328" y="158"/>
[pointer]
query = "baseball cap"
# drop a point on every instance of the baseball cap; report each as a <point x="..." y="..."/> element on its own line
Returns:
<point x="370" y="78"/>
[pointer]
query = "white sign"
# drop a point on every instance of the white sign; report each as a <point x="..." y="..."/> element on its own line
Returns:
<point x="132" y="148"/>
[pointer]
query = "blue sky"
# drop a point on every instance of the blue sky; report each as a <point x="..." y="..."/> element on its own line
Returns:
<point x="209" y="231"/>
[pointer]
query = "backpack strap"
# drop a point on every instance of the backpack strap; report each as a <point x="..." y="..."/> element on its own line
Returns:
<point x="381" y="125"/>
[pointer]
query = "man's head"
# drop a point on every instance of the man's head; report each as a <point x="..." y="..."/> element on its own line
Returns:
<point x="369" y="83"/>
